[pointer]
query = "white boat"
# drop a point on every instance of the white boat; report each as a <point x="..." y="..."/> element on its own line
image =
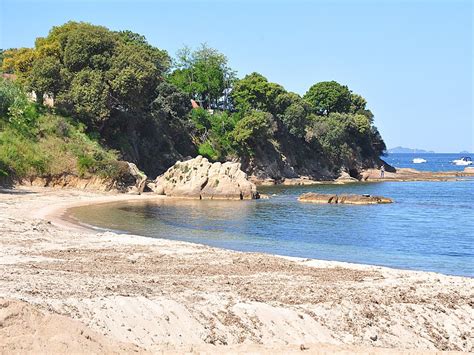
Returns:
<point x="463" y="161"/>
<point x="419" y="160"/>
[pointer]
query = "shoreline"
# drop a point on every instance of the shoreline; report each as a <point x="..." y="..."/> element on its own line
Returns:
<point x="215" y="290"/>
<point x="373" y="176"/>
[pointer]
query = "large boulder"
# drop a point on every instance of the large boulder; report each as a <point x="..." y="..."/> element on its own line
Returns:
<point x="199" y="179"/>
<point x="344" y="177"/>
<point x="343" y="199"/>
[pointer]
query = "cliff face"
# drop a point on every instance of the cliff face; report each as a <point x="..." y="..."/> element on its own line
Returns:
<point x="280" y="162"/>
<point x="155" y="147"/>
<point x="289" y="158"/>
<point x="276" y="160"/>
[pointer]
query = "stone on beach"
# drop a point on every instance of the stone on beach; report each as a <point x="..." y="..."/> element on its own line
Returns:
<point x="343" y="199"/>
<point x="199" y="179"/>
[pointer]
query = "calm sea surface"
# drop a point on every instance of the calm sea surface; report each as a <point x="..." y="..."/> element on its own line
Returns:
<point x="429" y="227"/>
<point x="434" y="162"/>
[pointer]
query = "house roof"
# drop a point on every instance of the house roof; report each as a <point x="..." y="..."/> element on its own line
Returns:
<point x="194" y="104"/>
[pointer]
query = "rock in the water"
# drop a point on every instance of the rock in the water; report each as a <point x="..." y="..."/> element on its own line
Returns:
<point x="318" y="198"/>
<point x="344" y="199"/>
<point x="198" y="178"/>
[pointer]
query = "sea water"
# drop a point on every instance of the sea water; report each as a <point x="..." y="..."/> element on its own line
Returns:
<point x="429" y="227"/>
<point x="434" y="161"/>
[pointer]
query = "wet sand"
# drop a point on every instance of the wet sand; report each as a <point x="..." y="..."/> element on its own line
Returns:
<point x="125" y="293"/>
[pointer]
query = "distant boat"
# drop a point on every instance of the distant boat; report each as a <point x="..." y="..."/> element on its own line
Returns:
<point x="419" y="160"/>
<point x="463" y="161"/>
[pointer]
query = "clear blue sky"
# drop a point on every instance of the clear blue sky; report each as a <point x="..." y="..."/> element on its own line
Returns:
<point x="411" y="60"/>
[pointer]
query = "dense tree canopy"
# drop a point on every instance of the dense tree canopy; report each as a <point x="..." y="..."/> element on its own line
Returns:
<point x="255" y="92"/>
<point x="136" y="99"/>
<point x="328" y="96"/>
<point x="254" y="128"/>
<point x="91" y="71"/>
<point x="203" y="73"/>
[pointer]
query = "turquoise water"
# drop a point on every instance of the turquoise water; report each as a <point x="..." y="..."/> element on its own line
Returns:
<point x="429" y="227"/>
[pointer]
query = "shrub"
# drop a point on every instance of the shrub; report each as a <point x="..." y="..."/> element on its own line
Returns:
<point x="253" y="129"/>
<point x="53" y="145"/>
<point x="201" y="119"/>
<point x="206" y="150"/>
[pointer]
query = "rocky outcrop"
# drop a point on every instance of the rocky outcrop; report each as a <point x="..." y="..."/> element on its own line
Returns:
<point x="130" y="180"/>
<point x="199" y="179"/>
<point x="345" y="178"/>
<point x="281" y="161"/>
<point x="343" y="199"/>
<point x="134" y="180"/>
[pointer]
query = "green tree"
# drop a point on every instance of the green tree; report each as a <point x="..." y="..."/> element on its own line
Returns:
<point x="19" y="61"/>
<point x="327" y="97"/>
<point x="170" y="103"/>
<point x="88" y="47"/>
<point x="253" y="129"/>
<point x="345" y="137"/>
<point x="45" y="77"/>
<point x="255" y="92"/>
<point x="203" y="73"/>
<point x="358" y="105"/>
<point x="134" y="75"/>
<point x="93" y="73"/>
<point x="294" y="113"/>
<point x="88" y="97"/>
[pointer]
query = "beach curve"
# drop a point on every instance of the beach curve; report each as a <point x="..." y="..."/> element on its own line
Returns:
<point x="198" y="296"/>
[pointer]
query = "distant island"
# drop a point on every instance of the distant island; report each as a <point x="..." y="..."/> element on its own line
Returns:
<point x="464" y="152"/>
<point x="408" y="150"/>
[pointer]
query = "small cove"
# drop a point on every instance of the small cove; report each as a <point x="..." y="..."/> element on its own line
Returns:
<point x="430" y="226"/>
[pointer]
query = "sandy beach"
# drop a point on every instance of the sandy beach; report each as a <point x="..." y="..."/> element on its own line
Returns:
<point x="64" y="288"/>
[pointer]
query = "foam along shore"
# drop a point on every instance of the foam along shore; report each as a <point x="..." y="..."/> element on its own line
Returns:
<point x="124" y="293"/>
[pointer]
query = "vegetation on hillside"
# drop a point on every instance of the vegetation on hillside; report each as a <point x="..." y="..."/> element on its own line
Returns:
<point x="135" y="99"/>
<point x="34" y="142"/>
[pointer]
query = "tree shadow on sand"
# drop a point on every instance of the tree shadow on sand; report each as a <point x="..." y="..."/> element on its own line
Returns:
<point x="11" y="191"/>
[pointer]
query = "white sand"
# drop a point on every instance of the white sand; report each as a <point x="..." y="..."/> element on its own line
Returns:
<point x="133" y="292"/>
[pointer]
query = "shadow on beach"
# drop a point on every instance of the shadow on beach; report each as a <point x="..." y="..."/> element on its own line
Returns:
<point x="12" y="191"/>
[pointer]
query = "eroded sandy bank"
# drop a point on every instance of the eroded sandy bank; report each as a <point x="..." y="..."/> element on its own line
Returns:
<point x="137" y="293"/>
